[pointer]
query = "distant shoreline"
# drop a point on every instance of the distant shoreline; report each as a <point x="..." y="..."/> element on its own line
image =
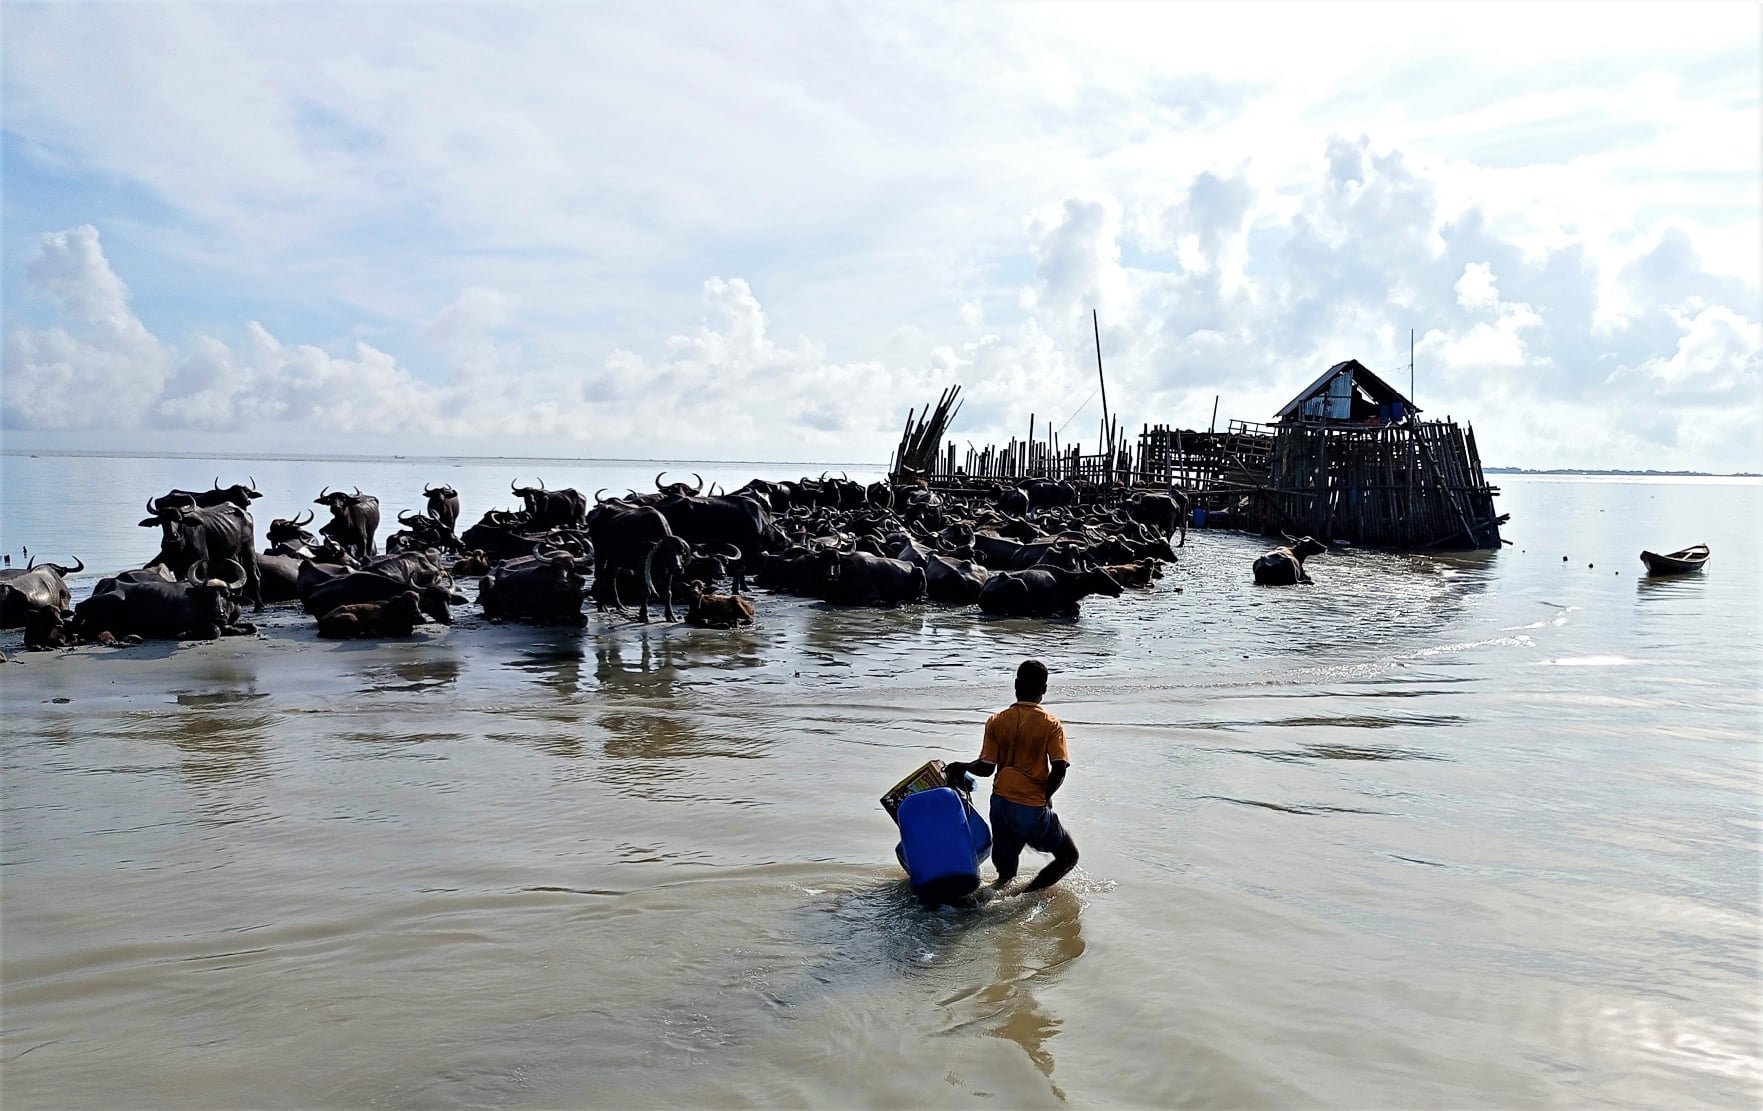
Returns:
<point x="326" y="457"/>
<point x="1632" y="474"/>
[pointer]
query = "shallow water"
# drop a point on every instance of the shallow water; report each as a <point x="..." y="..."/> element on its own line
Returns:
<point x="1441" y="830"/>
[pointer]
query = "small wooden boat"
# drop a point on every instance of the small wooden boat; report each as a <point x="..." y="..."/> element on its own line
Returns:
<point x="1676" y="563"/>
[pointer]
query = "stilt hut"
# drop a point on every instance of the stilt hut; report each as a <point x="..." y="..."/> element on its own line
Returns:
<point x="1352" y="461"/>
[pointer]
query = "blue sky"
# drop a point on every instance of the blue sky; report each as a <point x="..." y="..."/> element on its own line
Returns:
<point x="768" y="230"/>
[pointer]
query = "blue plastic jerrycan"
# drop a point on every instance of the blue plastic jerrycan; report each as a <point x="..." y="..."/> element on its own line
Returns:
<point x="943" y="840"/>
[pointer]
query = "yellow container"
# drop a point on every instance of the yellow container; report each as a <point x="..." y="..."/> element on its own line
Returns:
<point x="930" y="775"/>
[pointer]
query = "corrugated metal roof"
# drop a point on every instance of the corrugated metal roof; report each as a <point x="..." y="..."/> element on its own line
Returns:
<point x="1381" y="392"/>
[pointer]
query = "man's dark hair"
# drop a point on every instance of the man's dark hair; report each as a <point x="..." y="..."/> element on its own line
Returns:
<point x="1031" y="680"/>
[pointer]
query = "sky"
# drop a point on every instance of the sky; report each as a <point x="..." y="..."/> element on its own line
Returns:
<point x="768" y="231"/>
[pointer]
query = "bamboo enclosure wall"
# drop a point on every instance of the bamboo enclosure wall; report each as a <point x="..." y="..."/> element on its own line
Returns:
<point x="1408" y="484"/>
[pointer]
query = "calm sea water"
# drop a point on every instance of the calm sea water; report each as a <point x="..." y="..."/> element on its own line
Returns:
<point x="1463" y="830"/>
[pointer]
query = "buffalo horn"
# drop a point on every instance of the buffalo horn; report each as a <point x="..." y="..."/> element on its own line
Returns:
<point x="358" y="491"/>
<point x="734" y="553"/>
<point x="659" y="475"/>
<point x="237" y="583"/>
<point x="297" y="523"/>
<point x="513" y="488"/>
<point x="196" y="573"/>
<point x="597" y="498"/>
<point x="217" y="482"/>
<point x="66" y="571"/>
<point x="698" y="489"/>
<point x="404" y="518"/>
<point x="427" y="490"/>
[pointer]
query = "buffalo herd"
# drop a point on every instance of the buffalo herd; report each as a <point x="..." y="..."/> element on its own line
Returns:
<point x="1035" y="549"/>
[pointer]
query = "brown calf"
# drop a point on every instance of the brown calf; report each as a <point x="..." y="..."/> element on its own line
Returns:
<point x="716" y="611"/>
<point x="397" y="617"/>
<point x="1137" y="573"/>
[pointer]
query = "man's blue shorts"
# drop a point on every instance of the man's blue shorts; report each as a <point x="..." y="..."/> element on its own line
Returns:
<point x="1015" y="825"/>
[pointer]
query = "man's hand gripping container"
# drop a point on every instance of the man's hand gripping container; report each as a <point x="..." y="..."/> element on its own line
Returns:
<point x="943" y="840"/>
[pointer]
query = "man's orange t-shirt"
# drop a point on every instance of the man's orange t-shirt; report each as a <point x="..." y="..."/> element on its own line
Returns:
<point x="1023" y="741"/>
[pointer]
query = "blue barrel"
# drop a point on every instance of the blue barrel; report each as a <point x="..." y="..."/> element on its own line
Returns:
<point x="1199" y="517"/>
<point x="942" y="841"/>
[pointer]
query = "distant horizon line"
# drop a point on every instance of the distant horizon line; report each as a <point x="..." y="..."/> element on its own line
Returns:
<point x="356" y="457"/>
<point x="330" y="457"/>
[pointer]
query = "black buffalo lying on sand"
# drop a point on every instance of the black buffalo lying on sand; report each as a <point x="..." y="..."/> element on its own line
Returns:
<point x="197" y="608"/>
<point x="420" y="533"/>
<point x="538" y="590"/>
<point x="321" y="595"/>
<point x="1285" y="566"/>
<point x="24" y="591"/>
<point x="1043" y="591"/>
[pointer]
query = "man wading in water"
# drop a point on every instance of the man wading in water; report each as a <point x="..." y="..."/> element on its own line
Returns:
<point x="1025" y="745"/>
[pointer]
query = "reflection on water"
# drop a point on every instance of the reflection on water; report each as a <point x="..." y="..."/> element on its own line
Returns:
<point x="1670" y="589"/>
<point x="436" y="668"/>
<point x="988" y="968"/>
<point x="555" y="664"/>
<point x="637" y="667"/>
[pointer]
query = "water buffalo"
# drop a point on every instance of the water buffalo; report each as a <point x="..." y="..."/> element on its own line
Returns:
<point x="354" y="519"/>
<point x="547" y="509"/>
<point x="540" y="589"/>
<point x="861" y="579"/>
<point x="237" y="494"/>
<point x="324" y="588"/>
<point x="278" y="576"/>
<point x="26" y="591"/>
<point x="1043" y="591"/>
<point x="1138" y="573"/>
<point x="197" y="607"/>
<point x="713" y="522"/>
<point x="288" y="536"/>
<point x="716" y="611"/>
<point x="192" y="534"/>
<point x="422" y="532"/>
<point x="398" y="616"/>
<point x="443" y="505"/>
<point x="678" y="489"/>
<point x="624" y="537"/>
<point x="1164" y="512"/>
<point x="1285" y="566"/>
<point x="954" y="581"/>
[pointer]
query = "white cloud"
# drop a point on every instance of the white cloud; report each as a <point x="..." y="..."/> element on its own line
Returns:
<point x="1476" y="288"/>
<point x="506" y="215"/>
<point x="104" y="365"/>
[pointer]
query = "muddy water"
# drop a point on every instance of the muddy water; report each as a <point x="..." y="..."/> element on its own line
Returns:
<point x="1475" y="830"/>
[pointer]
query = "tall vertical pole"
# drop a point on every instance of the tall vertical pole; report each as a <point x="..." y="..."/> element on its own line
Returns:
<point x="1097" y="326"/>
<point x="1410" y="366"/>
